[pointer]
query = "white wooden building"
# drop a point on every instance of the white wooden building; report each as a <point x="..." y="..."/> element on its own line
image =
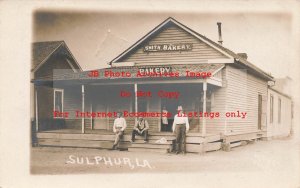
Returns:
<point x="280" y="109"/>
<point x="235" y="86"/>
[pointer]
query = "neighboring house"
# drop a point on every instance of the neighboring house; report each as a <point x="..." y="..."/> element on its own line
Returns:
<point x="280" y="109"/>
<point x="47" y="58"/>
<point x="235" y="86"/>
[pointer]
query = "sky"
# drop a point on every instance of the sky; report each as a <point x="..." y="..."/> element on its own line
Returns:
<point x="95" y="38"/>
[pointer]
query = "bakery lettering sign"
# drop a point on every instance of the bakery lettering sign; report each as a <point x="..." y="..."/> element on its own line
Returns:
<point x="167" y="47"/>
<point x="157" y="70"/>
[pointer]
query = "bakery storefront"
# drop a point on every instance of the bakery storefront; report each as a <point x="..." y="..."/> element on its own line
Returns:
<point x="170" y="66"/>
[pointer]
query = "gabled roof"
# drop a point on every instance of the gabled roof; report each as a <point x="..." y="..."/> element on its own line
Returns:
<point x="42" y="51"/>
<point x="240" y="59"/>
<point x="220" y="48"/>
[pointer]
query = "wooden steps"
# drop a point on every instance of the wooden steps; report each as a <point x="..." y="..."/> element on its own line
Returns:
<point x="235" y="140"/>
<point x="146" y="145"/>
<point x="155" y="150"/>
<point x="141" y="141"/>
<point x="80" y="143"/>
<point x="240" y="137"/>
<point x="151" y="145"/>
<point x="200" y="148"/>
<point x="104" y="140"/>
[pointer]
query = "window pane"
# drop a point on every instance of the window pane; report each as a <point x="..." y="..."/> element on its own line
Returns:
<point x="58" y="101"/>
<point x="271" y="109"/>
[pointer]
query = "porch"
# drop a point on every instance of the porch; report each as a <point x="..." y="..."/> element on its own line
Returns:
<point x="61" y="105"/>
<point x="84" y="94"/>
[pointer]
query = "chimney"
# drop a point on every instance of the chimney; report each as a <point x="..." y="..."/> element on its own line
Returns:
<point x="220" y="32"/>
<point x="243" y="55"/>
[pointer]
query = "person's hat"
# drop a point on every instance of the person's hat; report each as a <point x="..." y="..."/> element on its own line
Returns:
<point x="179" y="108"/>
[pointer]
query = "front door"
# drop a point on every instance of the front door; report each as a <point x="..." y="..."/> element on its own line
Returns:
<point x="168" y="105"/>
<point x="100" y="123"/>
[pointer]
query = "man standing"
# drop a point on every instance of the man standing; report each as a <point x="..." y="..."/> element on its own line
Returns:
<point x="180" y="127"/>
<point x="118" y="128"/>
<point x="140" y="128"/>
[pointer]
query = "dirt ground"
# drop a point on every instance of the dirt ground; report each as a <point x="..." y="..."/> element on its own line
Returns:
<point x="275" y="160"/>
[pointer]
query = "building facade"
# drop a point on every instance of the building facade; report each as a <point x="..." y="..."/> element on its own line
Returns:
<point x="170" y="66"/>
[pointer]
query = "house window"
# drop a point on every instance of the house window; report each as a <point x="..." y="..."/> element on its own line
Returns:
<point x="279" y="110"/>
<point x="271" y="108"/>
<point x="58" y="100"/>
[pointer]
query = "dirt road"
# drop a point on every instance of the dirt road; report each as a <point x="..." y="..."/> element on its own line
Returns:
<point x="268" y="161"/>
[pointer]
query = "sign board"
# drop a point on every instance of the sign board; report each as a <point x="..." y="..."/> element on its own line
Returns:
<point x="168" y="47"/>
<point x="156" y="70"/>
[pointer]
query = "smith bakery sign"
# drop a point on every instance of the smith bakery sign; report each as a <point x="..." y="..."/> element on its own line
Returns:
<point x="167" y="47"/>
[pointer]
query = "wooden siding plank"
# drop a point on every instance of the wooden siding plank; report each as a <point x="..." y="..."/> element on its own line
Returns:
<point x="245" y="100"/>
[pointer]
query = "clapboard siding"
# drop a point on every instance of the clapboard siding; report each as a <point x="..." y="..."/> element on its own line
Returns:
<point x="242" y="95"/>
<point x="45" y="110"/>
<point x="217" y="125"/>
<point x="72" y="102"/>
<point x="174" y="35"/>
<point x="45" y="102"/>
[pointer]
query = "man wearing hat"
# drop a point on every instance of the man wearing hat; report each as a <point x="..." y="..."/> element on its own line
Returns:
<point x="140" y="128"/>
<point x="118" y="128"/>
<point x="180" y="127"/>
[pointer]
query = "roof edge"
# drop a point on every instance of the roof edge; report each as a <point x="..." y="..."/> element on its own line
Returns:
<point x="44" y="60"/>
<point x="182" y="26"/>
<point x="63" y="43"/>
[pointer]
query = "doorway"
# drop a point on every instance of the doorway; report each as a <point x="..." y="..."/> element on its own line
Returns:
<point x="168" y="105"/>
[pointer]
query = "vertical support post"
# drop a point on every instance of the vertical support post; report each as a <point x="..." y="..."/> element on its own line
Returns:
<point x="36" y="111"/>
<point x="135" y="99"/>
<point x="203" y="131"/>
<point x="92" y="116"/>
<point x="82" y="108"/>
<point x="204" y="108"/>
<point x="199" y="110"/>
